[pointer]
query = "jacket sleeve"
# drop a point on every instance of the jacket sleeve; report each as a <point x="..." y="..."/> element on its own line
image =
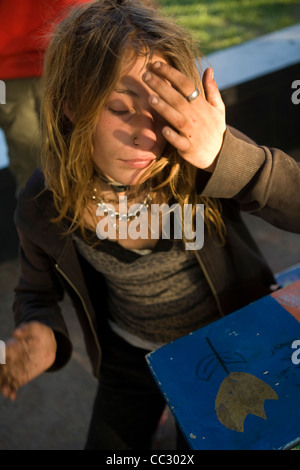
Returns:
<point x="37" y="296"/>
<point x="264" y="181"/>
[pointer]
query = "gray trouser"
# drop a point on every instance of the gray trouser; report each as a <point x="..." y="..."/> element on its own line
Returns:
<point x="19" y="120"/>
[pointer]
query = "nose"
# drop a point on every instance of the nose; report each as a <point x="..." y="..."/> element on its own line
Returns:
<point x="145" y="133"/>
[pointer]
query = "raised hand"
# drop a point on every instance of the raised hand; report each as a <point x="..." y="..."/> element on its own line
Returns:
<point x="196" y="128"/>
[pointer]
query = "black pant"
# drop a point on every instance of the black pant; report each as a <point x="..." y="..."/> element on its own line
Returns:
<point x="128" y="403"/>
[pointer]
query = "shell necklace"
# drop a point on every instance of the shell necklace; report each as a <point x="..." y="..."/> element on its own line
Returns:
<point x="115" y="216"/>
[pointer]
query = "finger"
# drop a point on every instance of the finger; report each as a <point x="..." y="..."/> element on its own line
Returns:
<point x="8" y="391"/>
<point x="180" y="81"/>
<point x="12" y="395"/>
<point x="181" y="143"/>
<point x="164" y="90"/>
<point x="5" y="390"/>
<point x="18" y="334"/>
<point x="21" y="330"/>
<point x="211" y="89"/>
<point x="25" y="330"/>
<point x="180" y="132"/>
<point x="169" y="113"/>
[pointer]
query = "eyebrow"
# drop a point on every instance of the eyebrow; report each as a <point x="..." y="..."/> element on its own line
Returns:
<point x="126" y="91"/>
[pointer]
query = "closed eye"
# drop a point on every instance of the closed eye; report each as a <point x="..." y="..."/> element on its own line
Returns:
<point x="118" y="112"/>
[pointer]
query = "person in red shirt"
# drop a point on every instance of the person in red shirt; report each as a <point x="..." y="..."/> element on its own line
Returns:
<point x="24" y="36"/>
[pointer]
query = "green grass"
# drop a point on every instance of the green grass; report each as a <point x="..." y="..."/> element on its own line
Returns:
<point x="217" y="24"/>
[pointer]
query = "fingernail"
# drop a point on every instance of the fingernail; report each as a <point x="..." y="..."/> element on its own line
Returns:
<point x="156" y="65"/>
<point x="147" y="76"/>
<point x="212" y="74"/>
<point x="154" y="99"/>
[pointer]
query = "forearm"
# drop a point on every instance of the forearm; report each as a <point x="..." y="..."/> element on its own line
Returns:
<point x="37" y="297"/>
<point x="264" y="181"/>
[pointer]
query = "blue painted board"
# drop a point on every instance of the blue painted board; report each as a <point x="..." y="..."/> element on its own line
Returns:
<point x="232" y="384"/>
<point x="286" y="277"/>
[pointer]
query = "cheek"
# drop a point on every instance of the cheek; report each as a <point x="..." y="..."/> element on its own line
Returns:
<point x="161" y="141"/>
<point x="105" y="124"/>
<point x="160" y="124"/>
<point x="102" y="134"/>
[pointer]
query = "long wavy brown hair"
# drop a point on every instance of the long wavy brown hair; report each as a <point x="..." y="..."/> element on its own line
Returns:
<point x="82" y="67"/>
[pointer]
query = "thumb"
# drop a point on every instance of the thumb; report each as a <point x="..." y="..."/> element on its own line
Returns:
<point x="211" y="90"/>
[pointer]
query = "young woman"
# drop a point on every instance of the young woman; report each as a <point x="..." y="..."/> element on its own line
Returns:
<point x="125" y="118"/>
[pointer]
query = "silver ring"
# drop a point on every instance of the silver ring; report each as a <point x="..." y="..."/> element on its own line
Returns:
<point x="193" y="95"/>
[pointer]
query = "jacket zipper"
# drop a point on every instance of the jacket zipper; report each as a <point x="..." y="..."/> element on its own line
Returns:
<point x="86" y="311"/>
<point x="212" y="287"/>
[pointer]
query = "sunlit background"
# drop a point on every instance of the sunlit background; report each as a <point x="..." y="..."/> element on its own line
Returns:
<point x="218" y="24"/>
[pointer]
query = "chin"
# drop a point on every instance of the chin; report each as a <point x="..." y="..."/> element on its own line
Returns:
<point x="131" y="177"/>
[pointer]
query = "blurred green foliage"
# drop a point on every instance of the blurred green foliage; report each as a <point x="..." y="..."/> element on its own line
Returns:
<point x="217" y="24"/>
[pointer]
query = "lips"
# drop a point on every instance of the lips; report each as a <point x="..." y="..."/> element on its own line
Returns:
<point x="138" y="162"/>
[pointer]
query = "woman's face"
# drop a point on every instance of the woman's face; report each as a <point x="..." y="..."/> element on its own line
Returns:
<point x="128" y="135"/>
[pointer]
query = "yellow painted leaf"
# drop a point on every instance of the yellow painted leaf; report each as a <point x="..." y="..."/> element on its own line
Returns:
<point x="241" y="394"/>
